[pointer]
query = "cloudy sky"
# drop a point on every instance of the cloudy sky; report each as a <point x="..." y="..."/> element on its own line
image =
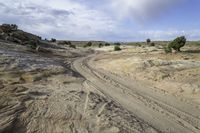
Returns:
<point x="110" y="20"/>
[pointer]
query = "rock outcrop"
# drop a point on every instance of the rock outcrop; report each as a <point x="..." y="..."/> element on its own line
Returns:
<point x="11" y="33"/>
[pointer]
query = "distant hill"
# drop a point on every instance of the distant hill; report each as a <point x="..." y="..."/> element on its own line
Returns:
<point x="81" y="43"/>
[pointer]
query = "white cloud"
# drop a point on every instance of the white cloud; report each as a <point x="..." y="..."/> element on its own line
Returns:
<point x="170" y="34"/>
<point x="141" y="10"/>
<point x="75" y="19"/>
<point x="60" y="18"/>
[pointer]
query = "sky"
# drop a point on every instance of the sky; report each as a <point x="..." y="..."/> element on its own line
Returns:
<point x="107" y="20"/>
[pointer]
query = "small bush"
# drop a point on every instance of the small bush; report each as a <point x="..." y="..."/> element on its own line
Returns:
<point x="14" y="26"/>
<point x="167" y="50"/>
<point x="53" y="40"/>
<point x="68" y="43"/>
<point x="117" y="44"/>
<point x="177" y="43"/>
<point x="64" y="43"/>
<point x="40" y="38"/>
<point x="117" y="48"/>
<point x="107" y="44"/>
<point x="138" y="44"/>
<point x="89" y="44"/>
<point x="72" y="46"/>
<point x="32" y="43"/>
<point x="100" y="45"/>
<point x="152" y="44"/>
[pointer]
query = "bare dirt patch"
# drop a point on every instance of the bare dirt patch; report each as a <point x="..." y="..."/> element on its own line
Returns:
<point x="177" y="73"/>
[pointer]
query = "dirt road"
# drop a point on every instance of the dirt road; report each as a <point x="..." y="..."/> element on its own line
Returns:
<point x="161" y="111"/>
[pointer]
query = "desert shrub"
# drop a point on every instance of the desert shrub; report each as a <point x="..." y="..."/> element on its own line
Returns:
<point x="167" y="49"/>
<point x="68" y="43"/>
<point x="107" y="44"/>
<point x="117" y="48"/>
<point x="89" y="44"/>
<point x="152" y="44"/>
<point x="33" y="44"/>
<point x="72" y="46"/>
<point x="14" y="26"/>
<point x="53" y="40"/>
<point x="148" y="41"/>
<point x="138" y="44"/>
<point x="117" y="44"/>
<point x="40" y="38"/>
<point x="100" y="45"/>
<point x="177" y="43"/>
<point x="64" y="43"/>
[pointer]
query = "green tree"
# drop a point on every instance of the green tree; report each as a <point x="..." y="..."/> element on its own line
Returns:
<point x="177" y="43"/>
<point x="148" y="41"/>
<point x="107" y="44"/>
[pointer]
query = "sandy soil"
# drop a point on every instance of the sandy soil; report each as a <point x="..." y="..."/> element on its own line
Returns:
<point x="75" y="91"/>
<point x="41" y="93"/>
<point x="177" y="73"/>
<point x="161" y="111"/>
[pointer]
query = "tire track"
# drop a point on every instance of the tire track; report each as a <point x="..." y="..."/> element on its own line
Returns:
<point x="173" y="119"/>
<point x="184" y="118"/>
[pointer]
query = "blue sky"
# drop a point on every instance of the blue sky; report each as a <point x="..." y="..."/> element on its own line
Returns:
<point x="110" y="20"/>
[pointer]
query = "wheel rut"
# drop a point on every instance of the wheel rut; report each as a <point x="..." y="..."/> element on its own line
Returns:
<point x="162" y="116"/>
